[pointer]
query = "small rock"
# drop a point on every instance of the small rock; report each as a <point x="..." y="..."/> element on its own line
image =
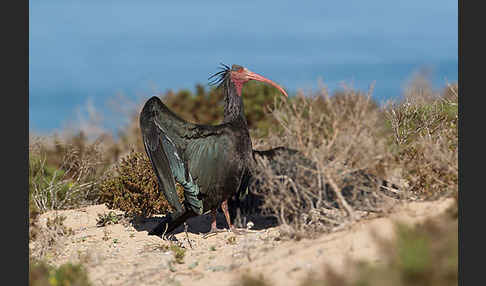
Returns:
<point x="193" y="265"/>
<point x="216" y="268"/>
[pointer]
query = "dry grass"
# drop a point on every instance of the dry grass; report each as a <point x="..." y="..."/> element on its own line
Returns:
<point x="63" y="176"/>
<point x="342" y="136"/>
<point x="426" y="139"/>
<point x="47" y="240"/>
<point x="355" y="155"/>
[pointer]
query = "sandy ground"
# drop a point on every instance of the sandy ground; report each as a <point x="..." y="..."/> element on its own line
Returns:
<point x="123" y="254"/>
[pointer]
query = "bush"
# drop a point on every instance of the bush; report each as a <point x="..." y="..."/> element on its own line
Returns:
<point x="249" y="280"/>
<point x="67" y="181"/>
<point x="42" y="274"/>
<point x="47" y="239"/>
<point x="357" y="155"/>
<point x="47" y="190"/>
<point x="132" y="187"/>
<point x="108" y="218"/>
<point x="342" y="138"/>
<point x="425" y="136"/>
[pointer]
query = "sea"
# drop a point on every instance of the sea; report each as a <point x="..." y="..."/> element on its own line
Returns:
<point x="84" y="55"/>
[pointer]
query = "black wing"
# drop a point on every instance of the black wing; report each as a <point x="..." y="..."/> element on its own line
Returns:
<point x="166" y="138"/>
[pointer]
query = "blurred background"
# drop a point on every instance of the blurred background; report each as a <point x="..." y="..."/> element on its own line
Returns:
<point x="85" y="56"/>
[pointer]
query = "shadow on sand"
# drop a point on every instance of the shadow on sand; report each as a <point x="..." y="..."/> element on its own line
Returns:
<point x="202" y="224"/>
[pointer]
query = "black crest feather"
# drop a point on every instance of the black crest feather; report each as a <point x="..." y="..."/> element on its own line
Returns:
<point x="219" y="77"/>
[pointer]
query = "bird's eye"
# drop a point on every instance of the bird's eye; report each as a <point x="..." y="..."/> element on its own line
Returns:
<point x="237" y="68"/>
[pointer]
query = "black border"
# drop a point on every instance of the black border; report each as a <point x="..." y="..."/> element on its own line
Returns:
<point x="471" y="184"/>
<point x="15" y="141"/>
<point x="23" y="98"/>
<point x="460" y="145"/>
<point x="461" y="126"/>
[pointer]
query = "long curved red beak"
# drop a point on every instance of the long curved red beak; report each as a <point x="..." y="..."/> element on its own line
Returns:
<point x="255" y="76"/>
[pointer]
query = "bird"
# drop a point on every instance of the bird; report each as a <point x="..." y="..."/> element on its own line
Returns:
<point x="208" y="161"/>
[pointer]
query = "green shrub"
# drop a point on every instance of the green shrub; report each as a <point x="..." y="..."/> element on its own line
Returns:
<point x="178" y="252"/>
<point x="108" y="218"/>
<point x="47" y="189"/>
<point x="63" y="175"/>
<point x="426" y="254"/>
<point x="249" y="280"/>
<point x="132" y="187"/>
<point x="42" y="274"/>
<point x="425" y="135"/>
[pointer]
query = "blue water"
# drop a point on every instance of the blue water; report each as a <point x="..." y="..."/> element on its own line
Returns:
<point x="82" y="51"/>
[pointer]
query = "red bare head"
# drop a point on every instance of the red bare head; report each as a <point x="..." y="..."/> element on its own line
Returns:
<point x="240" y="75"/>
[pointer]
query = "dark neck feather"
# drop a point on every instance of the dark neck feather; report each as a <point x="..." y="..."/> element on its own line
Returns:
<point x="233" y="103"/>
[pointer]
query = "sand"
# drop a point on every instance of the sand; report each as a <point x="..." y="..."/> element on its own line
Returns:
<point x="124" y="253"/>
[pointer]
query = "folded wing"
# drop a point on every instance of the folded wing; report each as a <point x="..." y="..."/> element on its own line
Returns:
<point x="179" y="150"/>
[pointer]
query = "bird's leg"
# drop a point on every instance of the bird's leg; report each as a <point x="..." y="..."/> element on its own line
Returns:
<point x="213" y="221"/>
<point x="224" y="207"/>
<point x="214" y="228"/>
